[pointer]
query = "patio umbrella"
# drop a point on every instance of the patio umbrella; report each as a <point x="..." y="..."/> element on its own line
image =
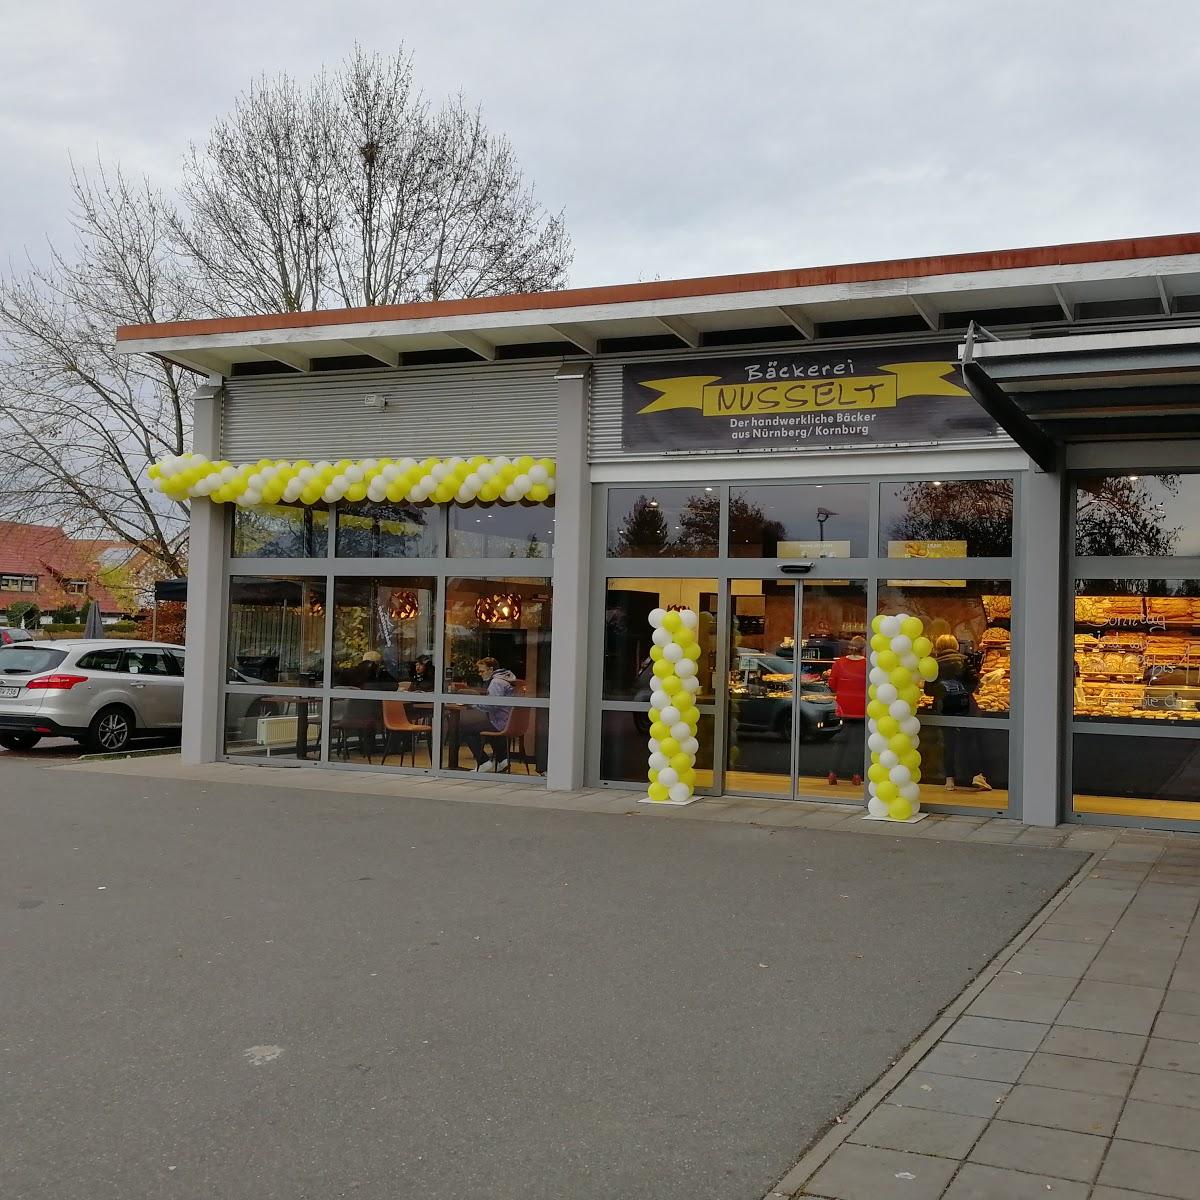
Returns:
<point x="93" y="627"/>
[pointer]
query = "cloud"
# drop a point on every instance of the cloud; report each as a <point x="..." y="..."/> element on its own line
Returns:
<point x="681" y="139"/>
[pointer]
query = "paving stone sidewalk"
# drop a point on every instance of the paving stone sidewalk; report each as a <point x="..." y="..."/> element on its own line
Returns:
<point x="1073" y="1072"/>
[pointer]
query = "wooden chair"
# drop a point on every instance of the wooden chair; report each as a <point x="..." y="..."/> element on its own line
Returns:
<point x="511" y="739"/>
<point x="397" y="724"/>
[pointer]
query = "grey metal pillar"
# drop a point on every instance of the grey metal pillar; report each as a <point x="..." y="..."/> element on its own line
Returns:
<point x="1039" y="725"/>
<point x="572" y="555"/>
<point x="202" y="691"/>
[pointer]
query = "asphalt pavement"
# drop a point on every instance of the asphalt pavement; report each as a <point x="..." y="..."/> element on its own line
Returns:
<point x="267" y="993"/>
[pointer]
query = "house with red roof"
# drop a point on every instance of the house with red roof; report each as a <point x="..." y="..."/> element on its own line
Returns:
<point x="45" y="566"/>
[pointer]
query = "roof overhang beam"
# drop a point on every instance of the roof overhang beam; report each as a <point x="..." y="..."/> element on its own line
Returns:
<point x="473" y="342"/>
<point x="683" y="330"/>
<point x="799" y="320"/>
<point x="577" y="337"/>
<point x="370" y="348"/>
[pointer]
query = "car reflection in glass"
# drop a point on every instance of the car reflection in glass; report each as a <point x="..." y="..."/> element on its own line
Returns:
<point x="761" y="689"/>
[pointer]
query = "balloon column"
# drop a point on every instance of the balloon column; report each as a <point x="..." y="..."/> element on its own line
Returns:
<point x="674" y="716"/>
<point x="439" y="480"/>
<point x="900" y="662"/>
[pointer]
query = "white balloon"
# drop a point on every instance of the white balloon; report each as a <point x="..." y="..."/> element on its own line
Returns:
<point x="901" y="643"/>
<point x="916" y="806"/>
<point x="331" y="494"/>
<point x="685" y="668"/>
<point x="690" y="745"/>
<point x="659" y="700"/>
<point x="355" y="474"/>
<point x="653" y="746"/>
<point x="872" y="787"/>
<point x="877" y="743"/>
<point x="679" y="792"/>
<point x="406" y="464"/>
<point x="688" y="618"/>
<point x="888" y="758"/>
<point x="376" y="490"/>
<point x="487" y="471"/>
<point x="890" y="626"/>
<point x="887" y="693"/>
<point x="323" y="465"/>
<point x="668" y="777"/>
<point x="878" y="676"/>
<point x="911" y="792"/>
<point x="538" y="473"/>
<point x="662" y="637"/>
<point x="441" y="471"/>
<point x="900" y="709"/>
<point x="669" y="715"/>
<point x="673" y="652"/>
<point x="658" y="760"/>
<point x="900" y="774"/>
<point x="502" y="460"/>
<point x="512" y="493"/>
<point x="876" y="807"/>
<point x="681" y="731"/>
<point x="522" y="483"/>
<point x="910" y="726"/>
<point x="909" y="662"/>
<point x="656" y="617"/>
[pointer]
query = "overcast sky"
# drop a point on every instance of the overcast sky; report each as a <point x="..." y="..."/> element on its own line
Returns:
<point x="681" y="138"/>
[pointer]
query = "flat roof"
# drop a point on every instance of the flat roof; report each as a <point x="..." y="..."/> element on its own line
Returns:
<point x="1059" y="283"/>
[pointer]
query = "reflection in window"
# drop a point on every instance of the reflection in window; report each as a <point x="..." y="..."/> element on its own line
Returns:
<point x="946" y="518"/>
<point x="623" y="737"/>
<point x="388" y="531"/>
<point x="270" y="726"/>
<point x="501" y="530"/>
<point x="1137" y="650"/>
<point x="969" y="623"/>
<point x="277" y="630"/>
<point x="627" y="632"/>
<point x="798" y="521"/>
<point x="280" y="531"/>
<point x="381" y="733"/>
<point x="682" y="522"/>
<point x="1143" y="777"/>
<point x="1148" y="516"/>
<point x="498" y="636"/>
<point x="383" y="633"/>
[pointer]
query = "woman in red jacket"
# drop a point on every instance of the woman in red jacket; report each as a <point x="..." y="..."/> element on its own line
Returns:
<point x="848" y="682"/>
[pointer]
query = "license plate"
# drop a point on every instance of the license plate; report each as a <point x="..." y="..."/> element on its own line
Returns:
<point x="9" y="693"/>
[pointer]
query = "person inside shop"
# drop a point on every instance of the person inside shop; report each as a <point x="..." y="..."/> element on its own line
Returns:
<point x="847" y="681"/>
<point x="479" y="720"/>
<point x="420" y="674"/>
<point x="364" y="673"/>
<point x="952" y="691"/>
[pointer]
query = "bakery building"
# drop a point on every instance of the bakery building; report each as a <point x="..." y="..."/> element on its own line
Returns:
<point x="426" y="538"/>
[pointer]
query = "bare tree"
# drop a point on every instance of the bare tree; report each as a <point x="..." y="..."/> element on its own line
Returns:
<point x="79" y="423"/>
<point x="353" y="191"/>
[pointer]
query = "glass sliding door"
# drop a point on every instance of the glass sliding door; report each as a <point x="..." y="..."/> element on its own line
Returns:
<point x="795" y="689"/>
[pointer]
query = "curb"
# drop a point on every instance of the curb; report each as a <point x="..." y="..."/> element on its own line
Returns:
<point x="811" y="1161"/>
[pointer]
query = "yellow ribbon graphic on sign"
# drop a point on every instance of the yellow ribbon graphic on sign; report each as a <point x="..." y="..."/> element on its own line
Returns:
<point x="716" y="399"/>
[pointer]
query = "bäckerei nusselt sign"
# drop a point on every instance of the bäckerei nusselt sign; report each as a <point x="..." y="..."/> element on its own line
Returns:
<point x="801" y="401"/>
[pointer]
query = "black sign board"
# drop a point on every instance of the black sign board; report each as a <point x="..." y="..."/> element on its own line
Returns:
<point x="801" y="401"/>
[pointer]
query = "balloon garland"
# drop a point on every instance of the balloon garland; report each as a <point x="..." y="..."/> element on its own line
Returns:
<point x="900" y="660"/>
<point x="440" y="480"/>
<point x="674" y="716"/>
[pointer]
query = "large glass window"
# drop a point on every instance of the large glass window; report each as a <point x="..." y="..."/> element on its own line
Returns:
<point x="1147" y="516"/>
<point x="383" y="633"/>
<point x="667" y="522"/>
<point x="498" y="636"/>
<point x="389" y="531"/>
<point x="491" y="738"/>
<point x="272" y="726"/>
<point x="1134" y="776"/>
<point x="811" y="520"/>
<point x="280" y="531"/>
<point x="946" y="518"/>
<point x="277" y="630"/>
<point x="1137" y="651"/>
<point x="623" y="738"/>
<point x="627" y="632"/>
<point x="501" y="530"/>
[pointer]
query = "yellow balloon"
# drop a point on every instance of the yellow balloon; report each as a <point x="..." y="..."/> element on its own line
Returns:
<point x="911" y="759"/>
<point x="877" y="709"/>
<point x="652" y="775"/>
<point x="672" y="622"/>
<point x="887" y="660"/>
<point x="922" y="647"/>
<point x="911" y="627"/>
<point x="912" y="694"/>
<point x="669" y="746"/>
<point x="356" y="492"/>
<point x="655" y="717"/>
<point x="887" y="791"/>
<point x="656" y="791"/>
<point x="901" y="677"/>
<point x="877" y="772"/>
<point x="658" y="731"/>
<point x="877" y="624"/>
<point x="888" y="726"/>
<point x="899" y="809"/>
<point x="681" y="761"/>
<point x="899" y="744"/>
<point x="928" y="668"/>
<point x="688" y="776"/>
<point x="656" y="653"/>
<point x="671" y="684"/>
<point x="879" y="642"/>
<point x="662" y="669"/>
<point x="539" y="493"/>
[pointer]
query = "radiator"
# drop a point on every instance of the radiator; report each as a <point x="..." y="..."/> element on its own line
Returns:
<point x="276" y="731"/>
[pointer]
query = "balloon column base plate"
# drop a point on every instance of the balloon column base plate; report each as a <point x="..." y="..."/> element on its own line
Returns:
<point x="668" y="803"/>
<point x="892" y="820"/>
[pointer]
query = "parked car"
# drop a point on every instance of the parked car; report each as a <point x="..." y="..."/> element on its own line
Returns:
<point x="102" y="693"/>
<point x="11" y="634"/>
<point x="762" y="686"/>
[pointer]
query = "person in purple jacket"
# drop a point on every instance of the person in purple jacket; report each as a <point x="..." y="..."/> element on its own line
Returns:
<point x="479" y="720"/>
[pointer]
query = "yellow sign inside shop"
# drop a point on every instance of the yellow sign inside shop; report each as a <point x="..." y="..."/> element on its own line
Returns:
<point x="715" y="397"/>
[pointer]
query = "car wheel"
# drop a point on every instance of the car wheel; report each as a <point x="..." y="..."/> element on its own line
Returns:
<point x="19" y="741"/>
<point x="110" y="730"/>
